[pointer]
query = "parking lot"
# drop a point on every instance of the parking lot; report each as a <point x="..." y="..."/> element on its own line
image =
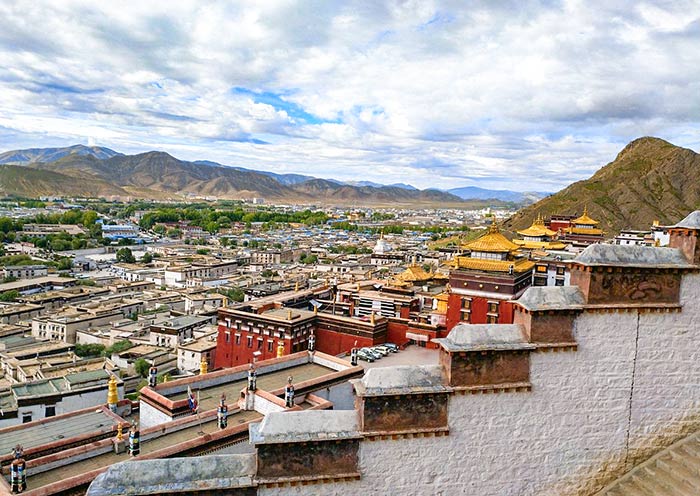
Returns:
<point x="412" y="355"/>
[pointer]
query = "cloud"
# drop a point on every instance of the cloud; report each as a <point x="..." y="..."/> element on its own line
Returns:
<point x="436" y="94"/>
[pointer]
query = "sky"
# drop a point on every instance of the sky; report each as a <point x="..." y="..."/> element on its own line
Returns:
<point x="521" y="95"/>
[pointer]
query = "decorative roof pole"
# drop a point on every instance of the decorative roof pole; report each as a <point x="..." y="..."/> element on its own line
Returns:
<point x="152" y="376"/>
<point x="222" y="413"/>
<point x="289" y="393"/>
<point x="134" y="437"/>
<point x="18" y="471"/>
<point x="252" y="378"/>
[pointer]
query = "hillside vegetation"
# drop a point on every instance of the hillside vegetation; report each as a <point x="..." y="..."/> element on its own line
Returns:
<point x="650" y="179"/>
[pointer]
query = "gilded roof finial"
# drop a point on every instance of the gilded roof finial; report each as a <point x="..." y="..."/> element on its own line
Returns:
<point x="493" y="228"/>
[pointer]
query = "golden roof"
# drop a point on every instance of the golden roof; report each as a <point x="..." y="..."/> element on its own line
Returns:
<point x="415" y="273"/>
<point x="537" y="229"/>
<point x="585" y="219"/>
<point x="493" y="241"/>
<point x="520" y="265"/>
<point x="540" y="245"/>
<point x="582" y="230"/>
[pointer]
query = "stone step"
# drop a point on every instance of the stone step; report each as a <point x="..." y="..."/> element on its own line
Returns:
<point x="634" y="487"/>
<point x="675" y="468"/>
<point x="649" y="482"/>
<point x="671" y="483"/>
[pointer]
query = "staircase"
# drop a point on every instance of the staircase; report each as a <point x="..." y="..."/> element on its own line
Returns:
<point x="673" y="472"/>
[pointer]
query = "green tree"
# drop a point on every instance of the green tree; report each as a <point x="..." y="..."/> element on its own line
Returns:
<point x="141" y="366"/>
<point x="118" y="347"/>
<point x="125" y="255"/>
<point x="8" y="296"/>
<point x="159" y="229"/>
<point x="147" y="258"/>
<point x="65" y="263"/>
<point x="89" y="350"/>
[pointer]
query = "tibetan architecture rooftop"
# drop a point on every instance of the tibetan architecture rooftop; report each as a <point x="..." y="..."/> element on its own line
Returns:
<point x="216" y="474"/>
<point x="633" y="256"/>
<point x="493" y="241"/>
<point x="302" y="427"/>
<point x="537" y="229"/>
<point x="401" y="379"/>
<point x="485" y="337"/>
<point x="585" y="219"/>
<point x="691" y="221"/>
<point x="542" y="298"/>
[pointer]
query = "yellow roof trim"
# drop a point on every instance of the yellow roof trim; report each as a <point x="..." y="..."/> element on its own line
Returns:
<point x="520" y="265"/>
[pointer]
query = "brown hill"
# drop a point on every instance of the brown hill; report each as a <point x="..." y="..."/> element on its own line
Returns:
<point x="155" y="174"/>
<point x="650" y="179"/>
<point x="21" y="181"/>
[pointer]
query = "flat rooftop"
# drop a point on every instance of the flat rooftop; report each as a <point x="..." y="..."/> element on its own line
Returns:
<point x="147" y="446"/>
<point x="209" y="397"/>
<point x="56" y="430"/>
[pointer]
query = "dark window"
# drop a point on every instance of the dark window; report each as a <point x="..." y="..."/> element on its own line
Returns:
<point x="559" y="282"/>
<point x="250" y="341"/>
<point x="466" y="303"/>
<point x="540" y="281"/>
<point x="50" y="411"/>
<point x="492" y="319"/>
<point x="26" y="417"/>
<point x="238" y="339"/>
<point x="493" y="307"/>
<point x="560" y="271"/>
<point x="269" y="346"/>
<point x="228" y="337"/>
<point x="260" y="344"/>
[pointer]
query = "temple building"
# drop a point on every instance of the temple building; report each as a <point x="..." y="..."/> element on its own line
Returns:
<point x="484" y="281"/>
<point x="583" y="231"/>
<point x="539" y="237"/>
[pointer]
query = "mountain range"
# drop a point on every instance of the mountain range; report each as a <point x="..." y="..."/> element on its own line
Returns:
<point x="650" y="179"/>
<point x="159" y="175"/>
<point x="96" y="171"/>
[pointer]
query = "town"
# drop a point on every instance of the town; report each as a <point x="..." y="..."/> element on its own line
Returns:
<point x="106" y="304"/>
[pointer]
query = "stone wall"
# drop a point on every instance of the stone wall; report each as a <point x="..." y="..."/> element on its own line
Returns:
<point x="629" y="390"/>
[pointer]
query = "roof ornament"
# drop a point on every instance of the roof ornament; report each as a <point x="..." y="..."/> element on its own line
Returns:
<point x="289" y="393"/>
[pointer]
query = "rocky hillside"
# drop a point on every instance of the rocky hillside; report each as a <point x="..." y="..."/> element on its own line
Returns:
<point x="650" y="179"/>
<point x="21" y="181"/>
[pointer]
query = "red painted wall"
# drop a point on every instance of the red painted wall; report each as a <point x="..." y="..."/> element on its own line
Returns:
<point x="396" y="333"/>
<point x="479" y="309"/>
<point x="231" y="354"/>
<point x="335" y="343"/>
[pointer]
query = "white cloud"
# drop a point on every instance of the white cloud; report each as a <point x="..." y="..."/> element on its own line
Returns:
<point x="438" y="94"/>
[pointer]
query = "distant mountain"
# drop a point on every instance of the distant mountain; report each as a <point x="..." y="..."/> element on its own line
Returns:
<point x="160" y="175"/>
<point x="473" y="192"/>
<point x="378" y="185"/>
<point x="650" y="179"/>
<point x="22" y="157"/>
<point x="17" y="180"/>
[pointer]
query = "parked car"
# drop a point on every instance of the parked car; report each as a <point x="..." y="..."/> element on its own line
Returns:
<point x="365" y="356"/>
<point x="393" y="347"/>
<point x="372" y="353"/>
<point x="381" y="349"/>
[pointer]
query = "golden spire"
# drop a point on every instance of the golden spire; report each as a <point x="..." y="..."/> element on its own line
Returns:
<point x="120" y="434"/>
<point x="112" y="392"/>
<point x="371" y="318"/>
<point x="203" y="366"/>
<point x="296" y="286"/>
<point x="280" y="349"/>
<point x="493" y="228"/>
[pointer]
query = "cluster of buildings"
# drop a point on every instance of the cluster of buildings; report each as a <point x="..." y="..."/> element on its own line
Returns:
<point x="161" y="348"/>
